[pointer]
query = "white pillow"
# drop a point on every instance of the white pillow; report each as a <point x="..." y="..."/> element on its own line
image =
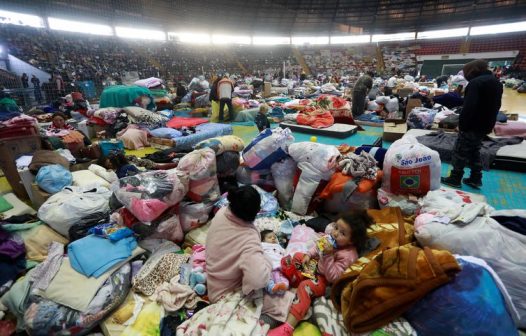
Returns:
<point x="108" y="175"/>
<point x="86" y="178"/>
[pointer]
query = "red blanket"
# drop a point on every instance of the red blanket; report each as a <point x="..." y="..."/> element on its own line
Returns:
<point x="179" y="122"/>
<point x="315" y="120"/>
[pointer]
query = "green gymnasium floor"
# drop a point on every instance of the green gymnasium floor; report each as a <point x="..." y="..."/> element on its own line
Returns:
<point x="503" y="189"/>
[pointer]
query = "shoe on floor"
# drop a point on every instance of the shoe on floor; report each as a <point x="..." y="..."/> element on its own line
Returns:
<point x="472" y="183"/>
<point x="452" y="182"/>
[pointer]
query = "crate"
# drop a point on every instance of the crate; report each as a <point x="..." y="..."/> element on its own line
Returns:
<point x="10" y="150"/>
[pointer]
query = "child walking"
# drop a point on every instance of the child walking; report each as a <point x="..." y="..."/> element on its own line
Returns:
<point x="278" y="283"/>
<point x="349" y="236"/>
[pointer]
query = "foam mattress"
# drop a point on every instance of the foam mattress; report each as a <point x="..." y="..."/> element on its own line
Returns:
<point x="511" y="157"/>
<point x="336" y="130"/>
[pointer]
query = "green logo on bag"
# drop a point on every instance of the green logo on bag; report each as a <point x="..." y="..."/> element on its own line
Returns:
<point x="410" y="181"/>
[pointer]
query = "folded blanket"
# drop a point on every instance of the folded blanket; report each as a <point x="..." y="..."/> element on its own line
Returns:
<point x="392" y="282"/>
<point x="93" y="256"/>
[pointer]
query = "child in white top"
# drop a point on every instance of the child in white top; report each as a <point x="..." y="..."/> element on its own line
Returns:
<point x="278" y="283"/>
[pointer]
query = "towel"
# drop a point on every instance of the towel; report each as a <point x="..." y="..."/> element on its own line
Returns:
<point x="93" y="256"/>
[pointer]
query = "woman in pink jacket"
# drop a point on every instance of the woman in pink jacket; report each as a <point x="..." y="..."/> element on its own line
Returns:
<point x="234" y="255"/>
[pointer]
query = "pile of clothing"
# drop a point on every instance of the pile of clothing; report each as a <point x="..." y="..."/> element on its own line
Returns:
<point x="130" y="256"/>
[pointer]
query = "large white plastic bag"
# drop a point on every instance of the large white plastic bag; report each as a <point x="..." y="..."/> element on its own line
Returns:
<point x="411" y="168"/>
<point x="392" y="105"/>
<point x="193" y="215"/>
<point x="283" y="173"/>
<point x="317" y="162"/>
<point x="321" y="157"/>
<point x="373" y="106"/>
<point x="484" y="238"/>
<point x="262" y="178"/>
<point x="68" y="206"/>
<point x="148" y="195"/>
<point x="382" y="100"/>
<point x="421" y="118"/>
<point x="267" y="148"/>
<point x="200" y="165"/>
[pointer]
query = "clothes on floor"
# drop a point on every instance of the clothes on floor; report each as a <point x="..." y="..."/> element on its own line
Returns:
<point x="174" y="296"/>
<point x="514" y="223"/>
<point x="443" y="143"/>
<point x="93" y="256"/>
<point x="11" y="246"/>
<point x="127" y="170"/>
<point x="46" y="271"/>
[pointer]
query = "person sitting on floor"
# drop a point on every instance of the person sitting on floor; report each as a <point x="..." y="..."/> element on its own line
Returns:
<point x="261" y="119"/>
<point x="59" y="123"/>
<point x="235" y="260"/>
<point x="349" y="234"/>
<point x="61" y="133"/>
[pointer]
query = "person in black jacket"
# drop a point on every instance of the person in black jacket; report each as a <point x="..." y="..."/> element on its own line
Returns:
<point x="482" y="101"/>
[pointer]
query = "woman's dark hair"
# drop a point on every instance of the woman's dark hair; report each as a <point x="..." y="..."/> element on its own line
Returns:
<point x="117" y="160"/>
<point x="245" y="202"/>
<point x="264" y="234"/>
<point x="358" y="221"/>
<point x="59" y="114"/>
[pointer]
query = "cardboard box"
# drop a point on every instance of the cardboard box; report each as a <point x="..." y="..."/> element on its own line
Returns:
<point x="10" y="150"/>
<point x="404" y="92"/>
<point x="411" y="104"/>
<point x="267" y="86"/>
<point x="39" y="196"/>
<point x="512" y="116"/>
<point x="394" y="129"/>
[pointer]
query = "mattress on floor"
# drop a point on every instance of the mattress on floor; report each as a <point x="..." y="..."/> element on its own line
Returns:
<point x="511" y="157"/>
<point x="203" y="132"/>
<point x="369" y="123"/>
<point x="336" y="130"/>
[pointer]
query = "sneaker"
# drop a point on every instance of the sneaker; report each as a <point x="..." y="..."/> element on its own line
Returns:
<point x="452" y="182"/>
<point x="472" y="183"/>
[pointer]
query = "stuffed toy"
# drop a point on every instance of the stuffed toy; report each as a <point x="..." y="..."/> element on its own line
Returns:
<point x="198" y="280"/>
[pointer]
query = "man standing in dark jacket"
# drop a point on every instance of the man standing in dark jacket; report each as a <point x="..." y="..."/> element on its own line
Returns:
<point x="482" y="101"/>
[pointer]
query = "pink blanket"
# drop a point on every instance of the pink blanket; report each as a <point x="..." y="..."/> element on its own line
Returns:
<point x="511" y="128"/>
